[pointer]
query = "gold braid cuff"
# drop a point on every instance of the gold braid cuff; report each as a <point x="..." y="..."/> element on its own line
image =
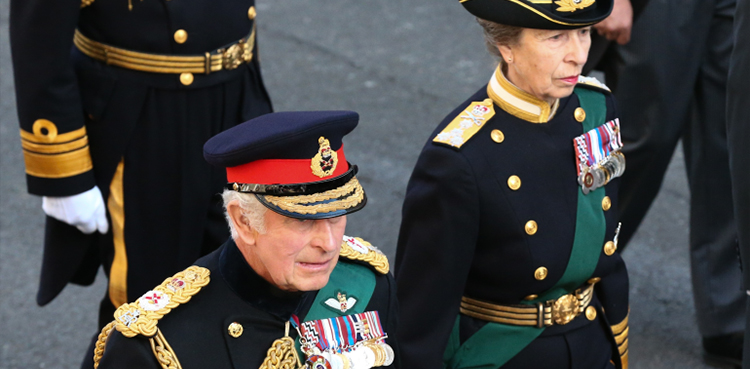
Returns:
<point x="132" y="319"/>
<point x="163" y="352"/>
<point x="350" y="195"/>
<point x="355" y="248"/>
<point x="621" y="331"/>
<point x="101" y="342"/>
<point x="49" y="154"/>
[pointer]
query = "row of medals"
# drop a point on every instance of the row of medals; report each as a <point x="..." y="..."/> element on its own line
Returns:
<point x="361" y="356"/>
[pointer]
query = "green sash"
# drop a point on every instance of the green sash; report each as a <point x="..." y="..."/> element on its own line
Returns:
<point x="354" y="280"/>
<point x="494" y="344"/>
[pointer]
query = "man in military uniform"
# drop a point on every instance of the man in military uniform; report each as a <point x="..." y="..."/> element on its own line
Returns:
<point x="290" y="267"/>
<point x="115" y="100"/>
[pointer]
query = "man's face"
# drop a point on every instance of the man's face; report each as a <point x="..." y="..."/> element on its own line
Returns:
<point x="296" y="255"/>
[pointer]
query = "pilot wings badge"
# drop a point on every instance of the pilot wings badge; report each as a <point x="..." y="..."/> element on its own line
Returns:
<point x="341" y="303"/>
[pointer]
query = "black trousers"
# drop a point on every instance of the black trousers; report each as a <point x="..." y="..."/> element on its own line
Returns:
<point x="672" y="80"/>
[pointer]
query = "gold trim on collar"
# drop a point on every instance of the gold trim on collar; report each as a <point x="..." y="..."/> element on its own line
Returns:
<point x="518" y="102"/>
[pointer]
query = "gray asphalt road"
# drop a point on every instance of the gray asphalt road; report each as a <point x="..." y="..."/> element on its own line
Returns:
<point x="403" y="66"/>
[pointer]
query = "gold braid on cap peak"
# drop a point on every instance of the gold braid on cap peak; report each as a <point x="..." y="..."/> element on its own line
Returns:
<point x="141" y="316"/>
<point x="296" y="204"/>
<point x="355" y="248"/>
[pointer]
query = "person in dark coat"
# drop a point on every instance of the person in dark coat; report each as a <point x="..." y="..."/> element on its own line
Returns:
<point x="507" y="251"/>
<point x="115" y="100"/>
<point x="670" y="82"/>
<point x="289" y="288"/>
<point x="738" y="134"/>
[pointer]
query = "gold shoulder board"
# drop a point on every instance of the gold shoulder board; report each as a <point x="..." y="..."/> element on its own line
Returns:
<point x="593" y="82"/>
<point x="466" y="124"/>
<point x="141" y="316"/>
<point x="355" y="248"/>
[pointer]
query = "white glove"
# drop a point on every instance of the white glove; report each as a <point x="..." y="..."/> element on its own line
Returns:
<point x="85" y="211"/>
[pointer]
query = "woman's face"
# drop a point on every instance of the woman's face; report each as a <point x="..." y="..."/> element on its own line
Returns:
<point x="546" y="63"/>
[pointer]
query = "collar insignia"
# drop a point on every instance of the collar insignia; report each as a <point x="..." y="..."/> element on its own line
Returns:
<point x="324" y="162"/>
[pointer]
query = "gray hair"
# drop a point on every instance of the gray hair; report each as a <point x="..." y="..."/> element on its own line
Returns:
<point x="253" y="212"/>
<point x="499" y="34"/>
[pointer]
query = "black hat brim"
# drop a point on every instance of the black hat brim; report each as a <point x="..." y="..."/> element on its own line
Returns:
<point x="525" y="14"/>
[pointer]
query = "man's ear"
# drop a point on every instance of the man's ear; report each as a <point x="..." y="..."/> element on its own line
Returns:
<point x="245" y="232"/>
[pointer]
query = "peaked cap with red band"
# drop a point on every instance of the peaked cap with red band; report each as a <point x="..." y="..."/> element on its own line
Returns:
<point x="293" y="162"/>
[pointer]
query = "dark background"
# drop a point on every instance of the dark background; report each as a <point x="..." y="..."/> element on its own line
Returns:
<point x="402" y="65"/>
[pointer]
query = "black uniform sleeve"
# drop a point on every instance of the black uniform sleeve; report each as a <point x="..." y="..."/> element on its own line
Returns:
<point x="53" y="134"/>
<point x="128" y="353"/>
<point x="435" y="250"/>
<point x="612" y="290"/>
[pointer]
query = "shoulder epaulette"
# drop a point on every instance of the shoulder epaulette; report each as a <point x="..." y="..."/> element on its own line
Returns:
<point x="141" y="316"/>
<point x="355" y="248"/>
<point x="592" y="83"/>
<point x="466" y="124"/>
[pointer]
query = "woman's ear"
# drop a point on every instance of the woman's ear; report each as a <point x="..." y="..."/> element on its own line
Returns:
<point x="245" y="233"/>
<point x="506" y="53"/>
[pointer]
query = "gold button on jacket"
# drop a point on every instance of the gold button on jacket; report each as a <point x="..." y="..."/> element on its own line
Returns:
<point x="514" y="182"/>
<point x="235" y="329"/>
<point x="609" y="248"/>
<point x="579" y="114"/>
<point x="186" y="78"/>
<point x="540" y="274"/>
<point x="180" y="36"/>
<point x="497" y="135"/>
<point x="606" y="203"/>
<point x="531" y="227"/>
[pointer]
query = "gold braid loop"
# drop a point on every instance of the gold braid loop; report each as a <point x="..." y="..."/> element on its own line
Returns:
<point x="282" y="354"/>
<point x="296" y="204"/>
<point x="101" y="342"/>
<point x="133" y="320"/>
<point x="163" y="352"/>
<point x="371" y="254"/>
<point x="85" y="3"/>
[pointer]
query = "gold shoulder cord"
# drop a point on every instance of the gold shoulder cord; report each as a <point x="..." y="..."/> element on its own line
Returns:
<point x="134" y="320"/>
<point x="163" y="352"/>
<point x="282" y="354"/>
<point x="85" y="3"/>
<point x="101" y="342"/>
<point x="374" y="257"/>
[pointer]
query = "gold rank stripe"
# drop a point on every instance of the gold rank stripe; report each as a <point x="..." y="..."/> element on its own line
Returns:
<point x="623" y="348"/>
<point x="58" y="165"/>
<point x="55" y="148"/>
<point x="466" y="124"/>
<point x="622" y="337"/>
<point x="53" y="138"/>
<point x="620" y="327"/>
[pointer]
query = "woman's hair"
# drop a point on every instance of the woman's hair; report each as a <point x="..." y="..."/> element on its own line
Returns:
<point x="253" y="212"/>
<point x="499" y="34"/>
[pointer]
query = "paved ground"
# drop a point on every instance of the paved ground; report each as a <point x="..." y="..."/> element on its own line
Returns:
<point x="403" y="66"/>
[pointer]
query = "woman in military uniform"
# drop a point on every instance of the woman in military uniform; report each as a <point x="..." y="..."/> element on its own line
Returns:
<point x="506" y="255"/>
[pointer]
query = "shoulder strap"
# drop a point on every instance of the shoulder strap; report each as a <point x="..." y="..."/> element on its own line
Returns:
<point x="141" y="316"/>
<point x="466" y="124"/>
